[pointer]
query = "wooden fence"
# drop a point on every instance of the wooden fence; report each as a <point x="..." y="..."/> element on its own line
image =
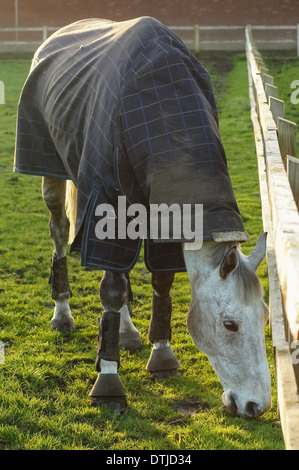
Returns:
<point x="196" y="37"/>
<point x="275" y="147"/>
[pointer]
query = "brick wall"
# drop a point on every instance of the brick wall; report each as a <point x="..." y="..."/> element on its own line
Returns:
<point x="170" y="12"/>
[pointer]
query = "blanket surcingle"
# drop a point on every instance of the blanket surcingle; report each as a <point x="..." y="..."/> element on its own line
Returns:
<point x="124" y="109"/>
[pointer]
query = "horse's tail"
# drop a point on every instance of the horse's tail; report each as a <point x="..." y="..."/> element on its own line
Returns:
<point x="71" y="207"/>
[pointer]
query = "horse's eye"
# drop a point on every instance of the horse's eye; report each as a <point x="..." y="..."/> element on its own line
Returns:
<point x="230" y="325"/>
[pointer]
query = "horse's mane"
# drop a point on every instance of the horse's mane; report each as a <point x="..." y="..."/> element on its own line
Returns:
<point x="248" y="284"/>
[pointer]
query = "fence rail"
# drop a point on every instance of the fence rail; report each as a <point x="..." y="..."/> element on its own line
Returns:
<point x="196" y="37"/>
<point x="281" y="221"/>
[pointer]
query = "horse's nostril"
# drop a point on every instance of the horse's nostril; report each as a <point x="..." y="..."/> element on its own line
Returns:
<point x="252" y="410"/>
<point x="232" y="405"/>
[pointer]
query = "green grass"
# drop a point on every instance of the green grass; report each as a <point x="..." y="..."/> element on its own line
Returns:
<point x="46" y="377"/>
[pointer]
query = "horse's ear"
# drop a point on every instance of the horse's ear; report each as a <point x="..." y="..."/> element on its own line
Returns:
<point x="259" y="253"/>
<point x="229" y="262"/>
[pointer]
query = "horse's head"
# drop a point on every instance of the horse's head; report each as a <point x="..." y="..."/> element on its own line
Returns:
<point x="226" y="321"/>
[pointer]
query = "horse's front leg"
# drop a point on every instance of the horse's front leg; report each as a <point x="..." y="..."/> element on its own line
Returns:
<point x="162" y="362"/>
<point x="108" y="388"/>
<point x="54" y="197"/>
<point x="129" y="337"/>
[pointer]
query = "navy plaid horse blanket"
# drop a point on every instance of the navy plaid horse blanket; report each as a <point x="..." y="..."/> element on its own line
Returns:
<point x="125" y="109"/>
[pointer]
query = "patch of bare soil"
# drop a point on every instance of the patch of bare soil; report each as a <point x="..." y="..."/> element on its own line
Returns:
<point x="190" y="406"/>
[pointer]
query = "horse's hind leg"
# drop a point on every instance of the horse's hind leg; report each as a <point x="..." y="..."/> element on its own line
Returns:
<point x="54" y="197"/>
<point x="108" y="388"/>
<point x="162" y="362"/>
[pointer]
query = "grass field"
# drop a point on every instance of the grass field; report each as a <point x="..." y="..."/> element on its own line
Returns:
<point x="46" y="376"/>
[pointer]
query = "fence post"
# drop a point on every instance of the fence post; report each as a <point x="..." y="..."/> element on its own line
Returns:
<point x="2" y="92"/>
<point x="267" y="78"/>
<point x="45" y="33"/>
<point x="276" y="107"/>
<point x="293" y="175"/>
<point x="270" y="90"/>
<point x="264" y="71"/>
<point x="196" y="37"/>
<point x="287" y="138"/>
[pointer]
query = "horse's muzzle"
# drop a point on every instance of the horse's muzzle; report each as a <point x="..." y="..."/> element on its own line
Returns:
<point x="251" y="409"/>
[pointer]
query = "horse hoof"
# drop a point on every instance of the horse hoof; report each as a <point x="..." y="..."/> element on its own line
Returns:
<point x="109" y="390"/>
<point x="63" y="325"/>
<point x="130" y="342"/>
<point x="113" y="403"/>
<point x="163" y="363"/>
